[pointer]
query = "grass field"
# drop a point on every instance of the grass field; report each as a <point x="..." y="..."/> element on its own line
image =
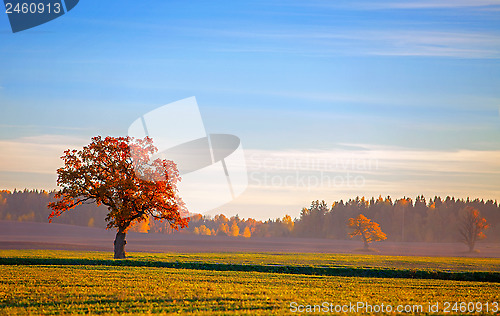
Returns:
<point x="63" y="285"/>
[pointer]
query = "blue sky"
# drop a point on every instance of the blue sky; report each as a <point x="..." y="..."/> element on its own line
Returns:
<point x="412" y="85"/>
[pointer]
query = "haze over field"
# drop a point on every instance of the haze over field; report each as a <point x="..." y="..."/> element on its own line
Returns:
<point x="331" y="100"/>
<point x="16" y="235"/>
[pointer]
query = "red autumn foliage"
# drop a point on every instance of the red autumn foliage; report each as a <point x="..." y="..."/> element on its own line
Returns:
<point x="119" y="173"/>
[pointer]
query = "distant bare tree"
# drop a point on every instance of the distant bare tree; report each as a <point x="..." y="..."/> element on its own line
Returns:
<point x="472" y="226"/>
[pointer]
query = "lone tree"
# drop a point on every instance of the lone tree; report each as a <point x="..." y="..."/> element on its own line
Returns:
<point x="472" y="227"/>
<point x="119" y="173"/>
<point x="368" y="230"/>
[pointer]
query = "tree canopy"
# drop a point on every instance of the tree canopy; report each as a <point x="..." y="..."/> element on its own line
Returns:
<point x="368" y="230"/>
<point x="120" y="174"/>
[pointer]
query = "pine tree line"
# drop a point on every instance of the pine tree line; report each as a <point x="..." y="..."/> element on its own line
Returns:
<point x="422" y="220"/>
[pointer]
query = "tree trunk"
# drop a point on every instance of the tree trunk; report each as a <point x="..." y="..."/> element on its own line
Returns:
<point x="120" y="244"/>
<point x="365" y="241"/>
<point x="471" y="246"/>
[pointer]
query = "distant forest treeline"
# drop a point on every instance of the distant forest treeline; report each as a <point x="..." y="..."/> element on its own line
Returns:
<point x="432" y="220"/>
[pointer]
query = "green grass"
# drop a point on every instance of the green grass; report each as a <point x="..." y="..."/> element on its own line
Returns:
<point x="107" y="289"/>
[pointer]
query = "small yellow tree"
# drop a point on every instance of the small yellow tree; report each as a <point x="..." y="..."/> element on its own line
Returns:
<point x="235" y="230"/>
<point x="368" y="230"/>
<point x="288" y="222"/>
<point x="141" y="227"/>
<point x="203" y="230"/>
<point x="247" y="233"/>
<point x="223" y="229"/>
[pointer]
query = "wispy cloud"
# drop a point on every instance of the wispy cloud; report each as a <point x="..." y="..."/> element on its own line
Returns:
<point x="368" y="169"/>
<point x="435" y="4"/>
<point x="404" y="4"/>
<point x="430" y="43"/>
<point x="368" y="42"/>
<point x="31" y="126"/>
<point x="364" y="158"/>
<point x="36" y="154"/>
<point x="285" y="181"/>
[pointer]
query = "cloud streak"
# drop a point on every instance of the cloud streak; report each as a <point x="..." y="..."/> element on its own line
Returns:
<point x="285" y="181"/>
<point x="405" y="4"/>
<point x="440" y="44"/>
<point x="37" y="154"/>
<point x="380" y="170"/>
<point x="437" y="4"/>
<point x="378" y="160"/>
<point x="368" y="42"/>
